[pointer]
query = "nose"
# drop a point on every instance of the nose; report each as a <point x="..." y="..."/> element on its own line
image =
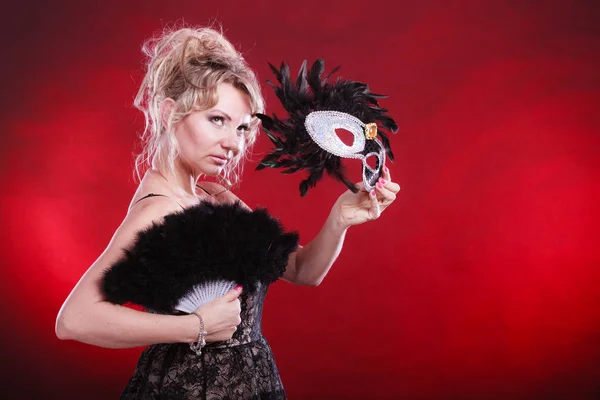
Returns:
<point x="231" y="142"/>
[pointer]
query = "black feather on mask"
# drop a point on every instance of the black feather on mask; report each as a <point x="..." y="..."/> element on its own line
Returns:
<point x="294" y="148"/>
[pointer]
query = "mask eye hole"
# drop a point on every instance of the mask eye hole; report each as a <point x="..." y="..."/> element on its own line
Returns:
<point x="372" y="162"/>
<point x="345" y="136"/>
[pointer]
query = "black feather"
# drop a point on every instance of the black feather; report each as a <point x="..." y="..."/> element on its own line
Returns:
<point x="294" y="148"/>
<point x="202" y="243"/>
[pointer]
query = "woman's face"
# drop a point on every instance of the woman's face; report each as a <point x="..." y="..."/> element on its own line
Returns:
<point x="208" y="140"/>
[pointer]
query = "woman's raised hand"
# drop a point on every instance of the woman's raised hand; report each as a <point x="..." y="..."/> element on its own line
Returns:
<point x="356" y="208"/>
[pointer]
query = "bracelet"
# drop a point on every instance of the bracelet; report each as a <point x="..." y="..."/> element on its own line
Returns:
<point x="200" y="343"/>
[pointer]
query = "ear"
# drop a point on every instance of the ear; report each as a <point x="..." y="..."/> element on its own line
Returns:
<point x="166" y="109"/>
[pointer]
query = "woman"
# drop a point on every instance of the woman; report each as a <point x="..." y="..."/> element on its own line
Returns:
<point x="199" y="98"/>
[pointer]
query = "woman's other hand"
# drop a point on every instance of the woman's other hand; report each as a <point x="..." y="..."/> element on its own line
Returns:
<point x="356" y="208"/>
<point x="222" y="316"/>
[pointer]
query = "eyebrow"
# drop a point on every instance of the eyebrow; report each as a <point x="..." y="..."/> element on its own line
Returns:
<point x="224" y="113"/>
<point x="228" y="117"/>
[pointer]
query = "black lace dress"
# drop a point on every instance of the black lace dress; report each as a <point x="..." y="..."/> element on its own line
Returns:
<point x="240" y="368"/>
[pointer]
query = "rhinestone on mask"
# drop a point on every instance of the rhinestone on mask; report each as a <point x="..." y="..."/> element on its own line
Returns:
<point x="371" y="131"/>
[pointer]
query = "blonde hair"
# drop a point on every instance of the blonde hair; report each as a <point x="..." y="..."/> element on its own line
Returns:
<point x="187" y="65"/>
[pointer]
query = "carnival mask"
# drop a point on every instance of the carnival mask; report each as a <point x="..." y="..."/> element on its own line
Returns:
<point x="307" y="139"/>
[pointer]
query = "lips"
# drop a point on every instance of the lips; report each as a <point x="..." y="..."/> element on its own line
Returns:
<point x="219" y="159"/>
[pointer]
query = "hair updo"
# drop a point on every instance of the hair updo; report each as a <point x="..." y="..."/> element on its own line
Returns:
<point x="187" y="65"/>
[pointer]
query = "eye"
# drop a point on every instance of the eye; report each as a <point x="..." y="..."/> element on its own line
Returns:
<point x="217" y="120"/>
<point x="243" y="129"/>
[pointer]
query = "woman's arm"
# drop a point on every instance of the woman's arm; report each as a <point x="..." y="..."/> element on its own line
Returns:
<point x="86" y="317"/>
<point x="310" y="264"/>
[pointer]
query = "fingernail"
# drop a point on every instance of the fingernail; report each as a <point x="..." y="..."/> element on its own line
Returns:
<point x="382" y="181"/>
<point x="379" y="185"/>
<point x="238" y="287"/>
<point x="373" y="193"/>
<point x="386" y="169"/>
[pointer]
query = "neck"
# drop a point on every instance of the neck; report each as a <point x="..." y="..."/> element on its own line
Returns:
<point x="180" y="180"/>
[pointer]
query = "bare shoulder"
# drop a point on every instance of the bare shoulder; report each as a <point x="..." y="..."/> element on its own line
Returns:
<point x="144" y="214"/>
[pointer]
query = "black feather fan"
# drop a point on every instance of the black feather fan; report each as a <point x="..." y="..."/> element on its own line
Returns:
<point x="202" y="243"/>
<point x="294" y="148"/>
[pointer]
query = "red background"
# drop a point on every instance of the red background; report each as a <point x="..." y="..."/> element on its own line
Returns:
<point x="480" y="282"/>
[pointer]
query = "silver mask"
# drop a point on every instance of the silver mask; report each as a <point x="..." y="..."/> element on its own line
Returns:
<point x="321" y="126"/>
